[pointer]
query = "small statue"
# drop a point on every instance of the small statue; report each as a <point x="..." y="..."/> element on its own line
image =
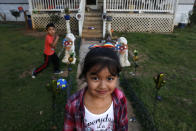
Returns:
<point x="68" y="44"/>
<point x="122" y="48"/>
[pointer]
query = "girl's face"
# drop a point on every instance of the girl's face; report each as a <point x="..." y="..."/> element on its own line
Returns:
<point x="51" y="31"/>
<point x="101" y="85"/>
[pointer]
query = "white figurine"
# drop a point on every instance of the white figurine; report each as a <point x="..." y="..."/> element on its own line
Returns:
<point x="122" y="49"/>
<point x="69" y="46"/>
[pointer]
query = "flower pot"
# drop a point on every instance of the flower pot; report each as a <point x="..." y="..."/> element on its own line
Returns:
<point x="67" y="17"/>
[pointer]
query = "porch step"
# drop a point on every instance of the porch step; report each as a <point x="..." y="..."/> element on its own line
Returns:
<point x="89" y="31"/>
<point x="95" y="33"/>
<point x="94" y="14"/>
<point x="88" y="22"/>
<point x="92" y="19"/>
<point x="92" y="35"/>
<point x="96" y="26"/>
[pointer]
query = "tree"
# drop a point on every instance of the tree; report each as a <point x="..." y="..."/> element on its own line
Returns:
<point x="193" y="16"/>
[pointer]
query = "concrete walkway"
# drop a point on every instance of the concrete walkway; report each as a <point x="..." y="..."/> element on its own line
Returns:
<point x="133" y="126"/>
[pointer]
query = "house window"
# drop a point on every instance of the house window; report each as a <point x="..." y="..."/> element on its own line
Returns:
<point x="91" y="2"/>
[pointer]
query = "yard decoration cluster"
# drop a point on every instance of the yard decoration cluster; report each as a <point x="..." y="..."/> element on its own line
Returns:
<point x="142" y="113"/>
<point x="60" y="89"/>
<point x="120" y="46"/>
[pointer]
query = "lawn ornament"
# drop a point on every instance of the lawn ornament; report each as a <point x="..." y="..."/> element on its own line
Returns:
<point x="78" y="16"/>
<point x="108" y="45"/>
<point x="104" y="16"/>
<point x="68" y="26"/>
<point x="61" y="84"/>
<point x="159" y="80"/>
<point x="109" y="21"/>
<point x="67" y="18"/>
<point x="135" y="59"/>
<point x="93" y="46"/>
<point x="122" y="48"/>
<point x="68" y="44"/>
<point x="20" y="9"/>
<point x="59" y="89"/>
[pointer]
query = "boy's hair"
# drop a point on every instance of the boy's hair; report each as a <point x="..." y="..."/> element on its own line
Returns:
<point x="101" y="57"/>
<point x="50" y="25"/>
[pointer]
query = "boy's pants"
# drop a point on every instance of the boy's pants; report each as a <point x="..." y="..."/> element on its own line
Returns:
<point x="47" y="60"/>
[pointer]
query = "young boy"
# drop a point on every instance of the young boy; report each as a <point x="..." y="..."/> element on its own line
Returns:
<point x="49" y="51"/>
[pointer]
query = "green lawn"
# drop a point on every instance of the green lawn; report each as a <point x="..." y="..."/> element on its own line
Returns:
<point x="175" y="55"/>
<point x="25" y="103"/>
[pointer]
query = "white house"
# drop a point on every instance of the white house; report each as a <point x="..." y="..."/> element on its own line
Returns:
<point x="7" y="5"/>
<point x="183" y="10"/>
<point x="127" y="15"/>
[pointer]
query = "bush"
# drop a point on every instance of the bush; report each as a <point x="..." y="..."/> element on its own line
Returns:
<point x="193" y="16"/>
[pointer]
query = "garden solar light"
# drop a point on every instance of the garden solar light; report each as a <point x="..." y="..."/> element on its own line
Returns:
<point x="135" y="57"/>
<point x="159" y="80"/>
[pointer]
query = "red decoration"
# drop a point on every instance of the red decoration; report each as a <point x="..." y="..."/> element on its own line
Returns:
<point x="20" y="9"/>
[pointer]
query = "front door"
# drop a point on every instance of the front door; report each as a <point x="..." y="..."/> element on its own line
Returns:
<point x="93" y="4"/>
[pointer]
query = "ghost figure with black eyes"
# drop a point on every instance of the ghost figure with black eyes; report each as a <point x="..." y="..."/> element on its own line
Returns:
<point x="122" y="48"/>
<point x="68" y="44"/>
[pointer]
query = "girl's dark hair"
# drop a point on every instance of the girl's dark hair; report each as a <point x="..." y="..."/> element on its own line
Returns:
<point x="101" y="57"/>
<point x="50" y="25"/>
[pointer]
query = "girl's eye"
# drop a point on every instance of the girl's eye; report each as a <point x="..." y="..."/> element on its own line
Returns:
<point x="94" y="78"/>
<point x="110" y="78"/>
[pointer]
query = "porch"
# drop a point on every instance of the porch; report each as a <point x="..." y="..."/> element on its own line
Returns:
<point x="128" y="15"/>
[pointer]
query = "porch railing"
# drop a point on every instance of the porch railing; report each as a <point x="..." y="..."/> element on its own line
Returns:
<point x="141" y="5"/>
<point x="54" y="5"/>
<point x="81" y="11"/>
<point x="104" y="21"/>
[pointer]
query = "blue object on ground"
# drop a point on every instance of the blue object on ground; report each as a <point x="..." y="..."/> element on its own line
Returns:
<point x="62" y="84"/>
<point x="159" y="98"/>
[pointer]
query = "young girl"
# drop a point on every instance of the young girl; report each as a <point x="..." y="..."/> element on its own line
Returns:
<point x="100" y="106"/>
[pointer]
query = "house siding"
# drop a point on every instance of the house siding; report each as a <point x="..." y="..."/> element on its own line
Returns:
<point x="183" y="9"/>
<point x="14" y="2"/>
<point x="5" y="9"/>
<point x="186" y="1"/>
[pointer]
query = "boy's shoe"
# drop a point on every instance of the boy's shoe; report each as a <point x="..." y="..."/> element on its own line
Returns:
<point x="33" y="74"/>
<point x="58" y="72"/>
